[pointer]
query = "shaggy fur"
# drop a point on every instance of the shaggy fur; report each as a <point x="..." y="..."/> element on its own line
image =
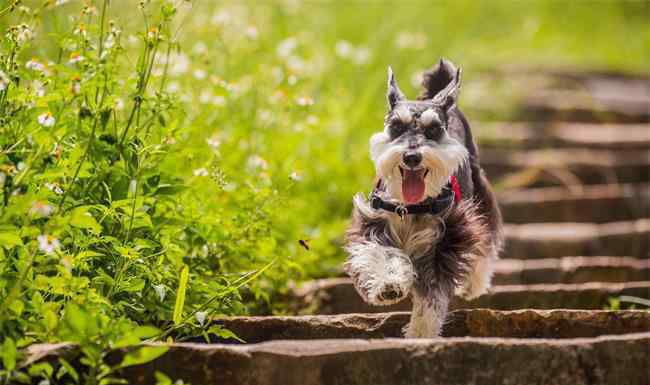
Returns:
<point x="429" y="257"/>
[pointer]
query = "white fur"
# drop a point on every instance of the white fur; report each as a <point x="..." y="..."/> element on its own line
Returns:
<point x="414" y="236"/>
<point x="427" y="316"/>
<point x="429" y="116"/>
<point x="441" y="158"/>
<point x="403" y="114"/>
<point x="379" y="269"/>
<point x="479" y="279"/>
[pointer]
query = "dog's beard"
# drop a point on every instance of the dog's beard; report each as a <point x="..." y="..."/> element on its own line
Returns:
<point x="440" y="160"/>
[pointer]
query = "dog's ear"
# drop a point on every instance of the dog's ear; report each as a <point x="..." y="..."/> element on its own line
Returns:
<point x="394" y="94"/>
<point x="441" y="84"/>
<point x="448" y="97"/>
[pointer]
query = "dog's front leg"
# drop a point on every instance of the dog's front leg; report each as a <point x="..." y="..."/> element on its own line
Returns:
<point x="382" y="275"/>
<point x="428" y="315"/>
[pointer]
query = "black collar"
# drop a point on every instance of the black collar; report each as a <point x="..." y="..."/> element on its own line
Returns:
<point x="428" y="206"/>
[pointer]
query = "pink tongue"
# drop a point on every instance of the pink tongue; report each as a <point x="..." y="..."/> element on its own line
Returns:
<point x="412" y="186"/>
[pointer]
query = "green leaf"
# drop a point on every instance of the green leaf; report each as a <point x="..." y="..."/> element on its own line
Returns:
<point x="133" y="285"/>
<point x="76" y="319"/>
<point x="41" y="368"/>
<point x="144" y="332"/>
<point x="162" y="379"/>
<point x="9" y="354"/>
<point x="66" y="368"/>
<point x="81" y="218"/>
<point x="180" y="294"/>
<point x="9" y="240"/>
<point x="225" y="334"/>
<point x="143" y="355"/>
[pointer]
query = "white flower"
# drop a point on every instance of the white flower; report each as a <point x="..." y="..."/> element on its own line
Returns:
<point x="222" y="18"/>
<point x="173" y="87"/>
<point x="4" y="81"/>
<point x="35" y="65"/>
<point x="251" y="32"/>
<point x="119" y="104"/>
<point x="199" y="74"/>
<point x="256" y="161"/>
<point x="286" y="47"/>
<point x="200" y="48"/>
<point x="46" y="119"/>
<point x="361" y="56"/>
<point x="205" y="96"/>
<point x="133" y="186"/>
<point x="110" y="41"/>
<point x="200" y="316"/>
<point x="152" y="33"/>
<point x="201" y="172"/>
<point x="346" y="50"/>
<point x="343" y="49"/>
<point x="408" y="40"/>
<point x="218" y="100"/>
<point x="39" y="88"/>
<point x="265" y="116"/>
<point x="179" y="64"/>
<point x="41" y="209"/>
<point x="161" y="291"/>
<point x="304" y="101"/>
<point x="48" y="244"/>
<point x="80" y="30"/>
<point x="294" y="176"/>
<point x="54" y="187"/>
<point x="76" y="57"/>
<point x="214" y="143"/>
<point x="24" y="33"/>
<point x="75" y="87"/>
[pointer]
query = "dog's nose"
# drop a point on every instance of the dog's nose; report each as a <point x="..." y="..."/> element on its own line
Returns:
<point x="412" y="159"/>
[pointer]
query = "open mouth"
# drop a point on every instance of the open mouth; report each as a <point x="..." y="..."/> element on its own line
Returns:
<point x="413" y="184"/>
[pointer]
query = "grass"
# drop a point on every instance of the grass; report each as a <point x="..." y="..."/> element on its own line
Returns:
<point x="196" y="143"/>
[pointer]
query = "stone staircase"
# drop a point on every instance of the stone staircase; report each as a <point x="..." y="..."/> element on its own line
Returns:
<point x="576" y="199"/>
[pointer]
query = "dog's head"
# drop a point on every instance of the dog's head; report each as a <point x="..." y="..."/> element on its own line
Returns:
<point x="414" y="155"/>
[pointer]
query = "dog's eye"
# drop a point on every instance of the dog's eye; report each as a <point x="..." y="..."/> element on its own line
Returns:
<point x="433" y="131"/>
<point x="397" y="128"/>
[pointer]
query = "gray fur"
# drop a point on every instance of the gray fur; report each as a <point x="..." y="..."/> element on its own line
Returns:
<point x="458" y="241"/>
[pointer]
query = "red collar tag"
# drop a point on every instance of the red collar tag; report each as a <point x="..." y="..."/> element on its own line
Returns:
<point x="456" y="187"/>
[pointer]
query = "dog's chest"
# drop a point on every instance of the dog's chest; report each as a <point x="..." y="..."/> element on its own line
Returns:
<point x="416" y="235"/>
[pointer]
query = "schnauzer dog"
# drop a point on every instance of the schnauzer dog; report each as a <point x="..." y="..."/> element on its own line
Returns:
<point x="431" y="226"/>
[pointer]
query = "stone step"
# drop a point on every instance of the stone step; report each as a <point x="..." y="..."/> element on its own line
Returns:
<point x="570" y="166"/>
<point x="590" y="203"/>
<point x="586" y="106"/>
<point x="555" y="240"/>
<point x="531" y="135"/>
<point x="612" y="359"/>
<point x="528" y="323"/>
<point x="573" y="96"/>
<point x="338" y="296"/>
<point x="568" y="270"/>
<point x="571" y="270"/>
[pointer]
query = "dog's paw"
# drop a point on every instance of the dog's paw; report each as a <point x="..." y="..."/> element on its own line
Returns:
<point x="388" y="294"/>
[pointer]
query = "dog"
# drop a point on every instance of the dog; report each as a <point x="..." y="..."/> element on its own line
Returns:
<point x="431" y="227"/>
